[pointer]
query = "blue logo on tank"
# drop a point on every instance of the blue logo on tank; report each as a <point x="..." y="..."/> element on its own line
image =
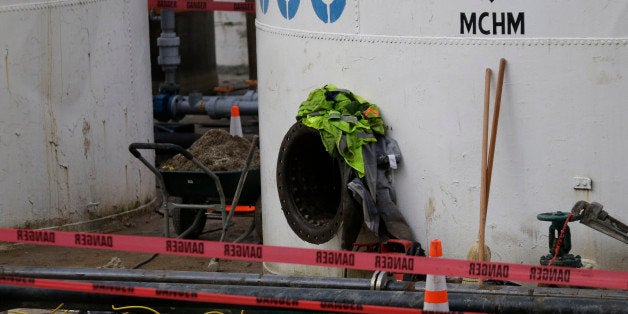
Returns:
<point x="288" y="8"/>
<point x="264" y="5"/>
<point x="328" y="11"/>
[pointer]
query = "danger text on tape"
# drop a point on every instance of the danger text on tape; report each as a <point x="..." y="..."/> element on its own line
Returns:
<point x="398" y="263"/>
<point x="197" y="5"/>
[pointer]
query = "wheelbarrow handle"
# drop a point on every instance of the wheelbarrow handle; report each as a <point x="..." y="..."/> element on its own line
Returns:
<point x="133" y="148"/>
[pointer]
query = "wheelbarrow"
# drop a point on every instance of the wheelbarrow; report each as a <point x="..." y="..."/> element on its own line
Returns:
<point x="203" y="192"/>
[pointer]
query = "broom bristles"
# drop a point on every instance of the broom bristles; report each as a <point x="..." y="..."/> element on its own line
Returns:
<point x="474" y="255"/>
<point x="474" y="252"/>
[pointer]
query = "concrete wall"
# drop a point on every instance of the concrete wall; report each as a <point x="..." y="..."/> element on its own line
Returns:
<point x="231" y="45"/>
<point x="231" y="42"/>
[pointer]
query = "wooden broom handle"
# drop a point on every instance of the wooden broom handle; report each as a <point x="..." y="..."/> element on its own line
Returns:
<point x="498" y="101"/>
<point x="487" y="96"/>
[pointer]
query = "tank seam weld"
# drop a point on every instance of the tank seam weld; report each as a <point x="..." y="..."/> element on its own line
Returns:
<point x="441" y="41"/>
<point x="46" y="5"/>
<point x="356" y="7"/>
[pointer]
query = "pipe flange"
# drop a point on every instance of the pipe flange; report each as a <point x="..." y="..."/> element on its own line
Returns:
<point x="380" y="280"/>
<point x="310" y="183"/>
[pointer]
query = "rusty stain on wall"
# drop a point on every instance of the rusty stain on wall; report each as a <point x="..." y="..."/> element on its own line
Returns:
<point x="605" y="70"/>
<point x="86" y="140"/>
<point x="6" y="69"/>
<point x="66" y="177"/>
<point x="430" y="209"/>
<point x="531" y="232"/>
<point x="104" y="132"/>
<point x="50" y="123"/>
<point x="583" y="195"/>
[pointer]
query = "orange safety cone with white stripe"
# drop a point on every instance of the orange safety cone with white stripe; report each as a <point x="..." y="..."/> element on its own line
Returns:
<point x="435" y="286"/>
<point x="235" y="125"/>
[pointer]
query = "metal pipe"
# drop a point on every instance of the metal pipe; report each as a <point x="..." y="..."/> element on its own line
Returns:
<point x="39" y="298"/>
<point x="460" y="298"/>
<point x="26" y="297"/>
<point x="218" y="278"/>
<point x="172" y="276"/>
<point x="214" y="106"/>
<point x="168" y="43"/>
<point x="388" y="298"/>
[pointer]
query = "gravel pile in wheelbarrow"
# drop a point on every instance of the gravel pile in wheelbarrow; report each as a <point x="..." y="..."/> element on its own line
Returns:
<point x="217" y="150"/>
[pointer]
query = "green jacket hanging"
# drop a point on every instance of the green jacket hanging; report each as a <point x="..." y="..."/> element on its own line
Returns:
<point x="345" y="121"/>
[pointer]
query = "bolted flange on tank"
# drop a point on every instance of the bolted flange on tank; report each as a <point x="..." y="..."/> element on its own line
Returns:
<point x="312" y="189"/>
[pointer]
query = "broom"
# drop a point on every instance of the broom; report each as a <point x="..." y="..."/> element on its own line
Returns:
<point x="498" y="102"/>
<point x="480" y="251"/>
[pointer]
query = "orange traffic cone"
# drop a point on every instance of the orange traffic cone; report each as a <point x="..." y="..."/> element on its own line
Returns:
<point x="435" y="286"/>
<point x="235" y="126"/>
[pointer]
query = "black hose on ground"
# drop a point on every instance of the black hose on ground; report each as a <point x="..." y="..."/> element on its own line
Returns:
<point x="200" y="215"/>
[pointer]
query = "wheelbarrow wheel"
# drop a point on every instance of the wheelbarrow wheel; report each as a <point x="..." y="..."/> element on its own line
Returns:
<point x="182" y="219"/>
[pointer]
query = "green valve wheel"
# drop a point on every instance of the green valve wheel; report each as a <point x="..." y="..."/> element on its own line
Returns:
<point x="556" y="217"/>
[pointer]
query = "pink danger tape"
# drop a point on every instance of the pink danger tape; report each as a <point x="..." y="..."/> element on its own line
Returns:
<point x="191" y="5"/>
<point x="397" y="263"/>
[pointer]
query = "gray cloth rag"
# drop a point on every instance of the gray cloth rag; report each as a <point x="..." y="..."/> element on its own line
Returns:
<point x="381" y="214"/>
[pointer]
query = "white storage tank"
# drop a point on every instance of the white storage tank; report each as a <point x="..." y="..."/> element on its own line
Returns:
<point x="75" y="91"/>
<point x="563" y="114"/>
